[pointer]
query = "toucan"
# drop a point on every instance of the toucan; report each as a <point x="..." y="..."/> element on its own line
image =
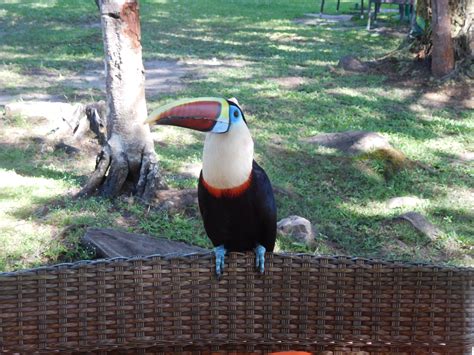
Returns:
<point x="234" y="193"/>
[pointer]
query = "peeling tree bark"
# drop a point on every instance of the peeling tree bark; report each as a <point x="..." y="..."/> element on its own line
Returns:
<point x="128" y="161"/>
<point x="443" y="52"/>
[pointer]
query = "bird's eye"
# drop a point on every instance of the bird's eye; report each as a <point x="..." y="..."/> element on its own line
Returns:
<point x="236" y="114"/>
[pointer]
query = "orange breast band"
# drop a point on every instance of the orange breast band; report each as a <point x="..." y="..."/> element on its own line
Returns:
<point x="232" y="192"/>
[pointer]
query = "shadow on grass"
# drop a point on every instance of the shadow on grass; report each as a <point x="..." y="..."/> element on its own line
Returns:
<point x="64" y="38"/>
<point x="335" y="193"/>
<point x="27" y="161"/>
<point x="331" y="190"/>
<point x="461" y="220"/>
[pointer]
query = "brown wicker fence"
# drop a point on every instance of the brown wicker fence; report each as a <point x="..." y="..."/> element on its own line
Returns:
<point x="175" y="304"/>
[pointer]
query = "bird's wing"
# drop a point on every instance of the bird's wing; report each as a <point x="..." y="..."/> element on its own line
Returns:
<point x="213" y="230"/>
<point x="265" y="207"/>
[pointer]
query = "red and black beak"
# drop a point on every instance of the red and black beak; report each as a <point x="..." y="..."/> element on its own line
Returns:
<point x="205" y="114"/>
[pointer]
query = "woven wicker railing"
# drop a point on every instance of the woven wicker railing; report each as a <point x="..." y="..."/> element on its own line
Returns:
<point x="174" y="304"/>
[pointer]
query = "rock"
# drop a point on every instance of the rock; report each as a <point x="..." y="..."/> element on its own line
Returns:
<point x="109" y="243"/>
<point x="352" y="142"/>
<point x="68" y="149"/>
<point x="351" y="63"/>
<point x="38" y="140"/>
<point x="298" y="228"/>
<point x="404" y="201"/>
<point x="421" y="224"/>
<point x="367" y="146"/>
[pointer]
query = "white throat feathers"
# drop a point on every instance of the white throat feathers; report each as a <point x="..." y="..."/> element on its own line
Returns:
<point x="227" y="157"/>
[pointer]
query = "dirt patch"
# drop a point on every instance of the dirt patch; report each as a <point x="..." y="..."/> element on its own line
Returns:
<point x="456" y="94"/>
<point x="460" y="96"/>
<point x="160" y="77"/>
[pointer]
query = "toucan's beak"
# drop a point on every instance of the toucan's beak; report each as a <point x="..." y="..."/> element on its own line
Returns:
<point x="205" y="114"/>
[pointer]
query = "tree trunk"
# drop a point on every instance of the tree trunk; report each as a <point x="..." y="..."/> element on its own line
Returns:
<point x="461" y="13"/>
<point x="443" y="53"/>
<point x="127" y="162"/>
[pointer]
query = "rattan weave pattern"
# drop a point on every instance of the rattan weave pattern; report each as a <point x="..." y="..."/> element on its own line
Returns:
<point x="175" y="304"/>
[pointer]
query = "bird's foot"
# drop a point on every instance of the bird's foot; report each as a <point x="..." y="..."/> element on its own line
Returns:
<point x="220" y="252"/>
<point x="260" y="258"/>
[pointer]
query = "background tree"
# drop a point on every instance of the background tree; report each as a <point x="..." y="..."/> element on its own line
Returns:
<point x="127" y="162"/>
<point x="442" y="62"/>
<point x="450" y="34"/>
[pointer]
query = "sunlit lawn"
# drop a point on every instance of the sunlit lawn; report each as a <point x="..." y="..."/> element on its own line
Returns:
<point x="345" y="199"/>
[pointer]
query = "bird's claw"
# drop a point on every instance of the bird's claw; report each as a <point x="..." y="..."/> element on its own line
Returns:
<point x="220" y="256"/>
<point x="260" y="258"/>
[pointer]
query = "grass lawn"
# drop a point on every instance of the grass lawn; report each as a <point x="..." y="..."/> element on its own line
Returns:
<point x="346" y="199"/>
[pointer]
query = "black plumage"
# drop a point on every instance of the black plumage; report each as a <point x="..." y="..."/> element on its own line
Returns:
<point x="242" y="222"/>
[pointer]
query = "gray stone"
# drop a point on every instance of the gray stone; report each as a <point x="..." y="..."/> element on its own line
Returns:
<point x="421" y="224"/>
<point x="352" y="142"/>
<point x="404" y="201"/>
<point x="351" y="63"/>
<point x="68" y="149"/>
<point x="109" y="243"/>
<point x="297" y="228"/>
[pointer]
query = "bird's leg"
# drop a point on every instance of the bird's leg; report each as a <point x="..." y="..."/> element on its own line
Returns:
<point x="260" y="258"/>
<point x="220" y="252"/>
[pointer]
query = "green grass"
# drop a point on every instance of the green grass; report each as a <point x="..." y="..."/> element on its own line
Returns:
<point x="345" y="199"/>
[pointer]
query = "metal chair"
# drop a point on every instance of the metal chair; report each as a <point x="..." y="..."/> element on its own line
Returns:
<point x="338" y="5"/>
<point x="378" y="3"/>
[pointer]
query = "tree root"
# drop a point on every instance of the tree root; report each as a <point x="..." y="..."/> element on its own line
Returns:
<point x="112" y="170"/>
<point x="116" y="176"/>
<point x="150" y="179"/>
<point x="98" y="176"/>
